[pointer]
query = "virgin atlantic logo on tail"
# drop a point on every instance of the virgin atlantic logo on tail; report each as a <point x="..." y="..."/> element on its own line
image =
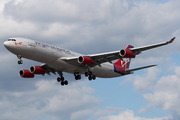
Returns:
<point x="126" y="60"/>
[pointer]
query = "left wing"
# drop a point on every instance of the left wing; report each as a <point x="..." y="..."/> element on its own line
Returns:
<point x="98" y="59"/>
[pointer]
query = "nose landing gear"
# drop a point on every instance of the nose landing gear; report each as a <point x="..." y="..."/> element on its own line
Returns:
<point x="20" y="61"/>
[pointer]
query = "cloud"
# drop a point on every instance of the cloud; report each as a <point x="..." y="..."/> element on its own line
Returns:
<point x="87" y="27"/>
<point x="129" y="115"/>
<point x="161" y="92"/>
<point x="88" y="23"/>
<point x="146" y="83"/>
<point x="108" y="111"/>
<point x="49" y="11"/>
<point x="166" y="93"/>
<point x="50" y="101"/>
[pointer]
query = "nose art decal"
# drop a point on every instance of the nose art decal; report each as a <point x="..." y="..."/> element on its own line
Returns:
<point x="18" y="44"/>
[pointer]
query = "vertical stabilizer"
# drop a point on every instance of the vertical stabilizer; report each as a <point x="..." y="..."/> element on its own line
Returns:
<point x="121" y="66"/>
<point x="126" y="61"/>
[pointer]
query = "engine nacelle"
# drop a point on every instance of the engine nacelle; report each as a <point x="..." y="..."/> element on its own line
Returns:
<point x="85" y="60"/>
<point x="37" y="70"/>
<point x="26" y="74"/>
<point x="127" y="53"/>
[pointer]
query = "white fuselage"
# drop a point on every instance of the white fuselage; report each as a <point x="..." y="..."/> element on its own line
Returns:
<point x="52" y="56"/>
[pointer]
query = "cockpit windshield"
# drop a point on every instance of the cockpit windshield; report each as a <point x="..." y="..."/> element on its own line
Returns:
<point x="11" y="40"/>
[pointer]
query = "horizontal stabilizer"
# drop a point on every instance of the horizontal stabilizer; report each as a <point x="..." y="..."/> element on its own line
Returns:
<point x="131" y="70"/>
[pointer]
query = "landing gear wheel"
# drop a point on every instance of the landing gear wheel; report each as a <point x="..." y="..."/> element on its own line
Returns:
<point x="20" y="62"/>
<point x="90" y="77"/>
<point x="86" y="74"/>
<point x="66" y="82"/>
<point x="62" y="83"/>
<point x="78" y="77"/>
<point x="58" y="79"/>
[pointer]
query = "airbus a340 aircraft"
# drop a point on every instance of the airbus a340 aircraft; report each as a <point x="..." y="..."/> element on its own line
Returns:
<point x="59" y="60"/>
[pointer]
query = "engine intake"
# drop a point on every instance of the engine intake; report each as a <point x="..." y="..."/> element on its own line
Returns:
<point x="26" y="74"/>
<point x="127" y="53"/>
<point x="37" y="70"/>
<point x="85" y="60"/>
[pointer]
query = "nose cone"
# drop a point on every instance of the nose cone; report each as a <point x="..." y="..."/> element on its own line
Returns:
<point x="9" y="45"/>
<point x="6" y="44"/>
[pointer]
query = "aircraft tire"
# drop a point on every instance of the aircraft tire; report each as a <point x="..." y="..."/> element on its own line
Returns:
<point x="62" y="83"/>
<point x="76" y="77"/>
<point x="58" y="79"/>
<point x="90" y="77"/>
<point x="66" y="82"/>
<point x="86" y="74"/>
<point x="20" y="62"/>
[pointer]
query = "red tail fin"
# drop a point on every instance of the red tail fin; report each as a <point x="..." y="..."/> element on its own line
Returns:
<point x="124" y="64"/>
<point x="126" y="61"/>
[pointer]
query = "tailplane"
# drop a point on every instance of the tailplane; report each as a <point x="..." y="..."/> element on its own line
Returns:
<point x="135" y="69"/>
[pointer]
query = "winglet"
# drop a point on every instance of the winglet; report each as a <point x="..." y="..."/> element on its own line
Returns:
<point x="170" y="41"/>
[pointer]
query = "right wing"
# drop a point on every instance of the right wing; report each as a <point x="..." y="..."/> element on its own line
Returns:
<point x="138" y="50"/>
<point x="110" y="56"/>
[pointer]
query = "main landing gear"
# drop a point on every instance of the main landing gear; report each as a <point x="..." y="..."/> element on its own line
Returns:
<point x="91" y="77"/>
<point x="20" y="61"/>
<point x="77" y="76"/>
<point x="63" y="82"/>
<point x="61" y="79"/>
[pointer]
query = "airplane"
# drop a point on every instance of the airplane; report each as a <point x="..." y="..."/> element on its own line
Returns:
<point x="59" y="60"/>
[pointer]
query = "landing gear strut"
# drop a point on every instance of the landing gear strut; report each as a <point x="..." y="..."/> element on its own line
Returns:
<point x="20" y="61"/>
<point x="61" y="79"/>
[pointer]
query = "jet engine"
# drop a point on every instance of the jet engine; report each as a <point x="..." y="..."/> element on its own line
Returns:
<point x="26" y="74"/>
<point x="127" y="53"/>
<point x="37" y="70"/>
<point x="85" y="60"/>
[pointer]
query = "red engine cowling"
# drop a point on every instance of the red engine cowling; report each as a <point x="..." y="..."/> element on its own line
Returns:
<point x="26" y="74"/>
<point x="85" y="60"/>
<point x="127" y="53"/>
<point x="37" y="70"/>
